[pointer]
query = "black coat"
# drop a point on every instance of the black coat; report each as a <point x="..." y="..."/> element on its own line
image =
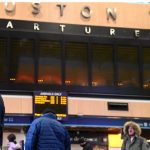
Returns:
<point x="2" y="112"/>
<point x="88" y="146"/>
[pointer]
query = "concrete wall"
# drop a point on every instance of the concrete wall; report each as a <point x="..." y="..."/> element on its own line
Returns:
<point x="19" y="104"/>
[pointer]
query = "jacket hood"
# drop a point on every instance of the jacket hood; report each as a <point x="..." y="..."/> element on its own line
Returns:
<point x="134" y="125"/>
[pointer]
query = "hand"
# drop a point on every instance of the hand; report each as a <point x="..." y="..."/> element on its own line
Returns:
<point x="20" y="142"/>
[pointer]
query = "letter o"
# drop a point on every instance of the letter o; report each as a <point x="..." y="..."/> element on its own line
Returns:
<point x="86" y="12"/>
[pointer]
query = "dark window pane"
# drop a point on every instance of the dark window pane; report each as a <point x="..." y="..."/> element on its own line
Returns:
<point x="22" y="61"/>
<point x="102" y="65"/>
<point x="76" y="64"/>
<point x="2" y="60"/>
<point x="128" y="73"/>
<point x="49" y="62"/>
<point x="146" y="68"/>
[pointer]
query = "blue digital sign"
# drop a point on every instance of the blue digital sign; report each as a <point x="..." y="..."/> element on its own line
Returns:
<point x="18" y="120"/>
<point x="77" y="121"/>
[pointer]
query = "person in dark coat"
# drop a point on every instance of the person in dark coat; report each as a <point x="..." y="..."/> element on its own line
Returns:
<point x="86" y="145"/>
<point x="46" y="133"/>
<point x="2" y="112"/>
<point x="132" y="139"/>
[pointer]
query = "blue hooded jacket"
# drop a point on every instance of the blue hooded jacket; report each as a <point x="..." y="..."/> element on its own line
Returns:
<point x="46" y="133"/>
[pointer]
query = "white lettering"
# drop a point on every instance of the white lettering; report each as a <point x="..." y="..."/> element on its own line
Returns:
<point x="137" y="33"/>
<point x="112" y="31"/>
<point x="62" y="27"/>
<point x="88" y="30"/>
<point x="36" y="26"/>
<point x="9" y="25"/>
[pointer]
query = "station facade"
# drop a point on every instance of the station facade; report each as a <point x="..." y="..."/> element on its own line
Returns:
<point x="97" y="53"/>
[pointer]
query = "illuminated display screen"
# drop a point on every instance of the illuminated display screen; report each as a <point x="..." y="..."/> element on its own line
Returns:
<point x="56" y="101"/>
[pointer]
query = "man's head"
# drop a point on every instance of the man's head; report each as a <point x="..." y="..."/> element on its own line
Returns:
<point x="82" y="141"/>
<point x="131" y="128"/>
<point x="48" y="110"/>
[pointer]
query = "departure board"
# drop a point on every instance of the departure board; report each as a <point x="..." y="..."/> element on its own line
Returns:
<point x="56" y="101"/>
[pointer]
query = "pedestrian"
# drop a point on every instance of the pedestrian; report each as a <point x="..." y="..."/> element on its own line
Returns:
<point x="86" y="145"/>
<point x="2" y="112"/>
<point x="46" y="133"/>
<point x="132" y="139"/>
<point x="12" y="144"/>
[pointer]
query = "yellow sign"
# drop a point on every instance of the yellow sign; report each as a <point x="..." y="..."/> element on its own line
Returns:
<point x="114" y="140"/>
<point x="56" y="101"/>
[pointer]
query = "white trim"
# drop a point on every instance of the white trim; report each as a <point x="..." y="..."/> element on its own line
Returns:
<point x="16" y="96"/>
<point x="108" y="99"/>
<point x="84" y="98"/>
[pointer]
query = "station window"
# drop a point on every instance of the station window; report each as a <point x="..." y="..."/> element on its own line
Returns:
<point x="102" y="65"/>
<point x="76" y="64"/>
<point x="49" y="70"/>
<point x="128" y="70"/>
<point x="146" y="68"/>
<point x="22" y="61"/>
<point x="2" y="60"/>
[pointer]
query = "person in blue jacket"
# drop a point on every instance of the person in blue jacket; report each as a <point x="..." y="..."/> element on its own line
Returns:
<point x="46" y="133"/>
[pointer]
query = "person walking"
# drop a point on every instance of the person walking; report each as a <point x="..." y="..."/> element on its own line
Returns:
<point x="12" y="144"/>
<point x="46" y="133"/>
<point x="132" y="139"/>
<point x="86" y="145"/>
